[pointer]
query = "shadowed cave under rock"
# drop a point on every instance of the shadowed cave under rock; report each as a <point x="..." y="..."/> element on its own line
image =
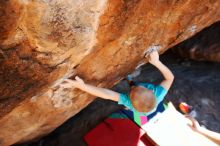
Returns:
<point x="196" y="83"/>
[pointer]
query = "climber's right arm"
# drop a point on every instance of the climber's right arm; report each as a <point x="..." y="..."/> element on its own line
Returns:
<point x="166" y="72"/>
<point x="96" y="91"/>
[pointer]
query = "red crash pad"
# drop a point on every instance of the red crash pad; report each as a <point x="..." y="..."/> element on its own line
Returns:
<point x="117" y="132"/>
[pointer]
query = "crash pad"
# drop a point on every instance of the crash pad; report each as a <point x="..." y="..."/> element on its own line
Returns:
<point x="117" y="131"/>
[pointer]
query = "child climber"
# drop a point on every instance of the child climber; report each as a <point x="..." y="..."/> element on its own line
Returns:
<point x="143" y="98"/>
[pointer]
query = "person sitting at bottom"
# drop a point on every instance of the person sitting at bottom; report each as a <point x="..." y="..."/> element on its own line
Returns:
<point x="143" y="98"/>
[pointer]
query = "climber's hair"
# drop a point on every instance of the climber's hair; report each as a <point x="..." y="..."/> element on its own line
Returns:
<point x="142" y="99"/>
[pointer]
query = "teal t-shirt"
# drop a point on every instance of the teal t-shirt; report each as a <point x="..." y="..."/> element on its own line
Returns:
<point x="159" y="93"/>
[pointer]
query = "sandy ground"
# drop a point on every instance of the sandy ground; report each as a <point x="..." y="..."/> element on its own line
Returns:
<point x="197" y="83"/>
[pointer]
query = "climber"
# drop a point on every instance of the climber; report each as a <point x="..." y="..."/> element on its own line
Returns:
<point x="213" y="136"/>
<point x="143" y="98"/>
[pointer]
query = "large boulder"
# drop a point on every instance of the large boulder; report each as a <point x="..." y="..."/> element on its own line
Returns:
<point x="43" y="42"/>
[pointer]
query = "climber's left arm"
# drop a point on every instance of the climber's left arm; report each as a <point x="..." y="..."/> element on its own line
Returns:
<point x="93" y="90"/>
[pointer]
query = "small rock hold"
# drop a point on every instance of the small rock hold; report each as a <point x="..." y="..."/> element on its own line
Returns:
<point x="192" y="29"/>
<point x="62" y="98"/>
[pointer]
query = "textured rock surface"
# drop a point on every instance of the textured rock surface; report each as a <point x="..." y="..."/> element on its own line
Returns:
<point x="42" y="42"/>
<point x="203" y="46"/>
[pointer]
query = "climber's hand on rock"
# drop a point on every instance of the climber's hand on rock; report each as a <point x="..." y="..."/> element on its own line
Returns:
<point x="153" y="57"/>
<point x="79" y="80"/>
<point x="68" y="83"/>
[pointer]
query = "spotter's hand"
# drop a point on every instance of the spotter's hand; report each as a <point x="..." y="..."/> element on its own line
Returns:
<point x="194" y="124"/>
<point x="68" y="83"/>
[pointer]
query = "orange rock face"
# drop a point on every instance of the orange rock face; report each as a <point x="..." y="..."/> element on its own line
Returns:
<point x="43" y="42"/>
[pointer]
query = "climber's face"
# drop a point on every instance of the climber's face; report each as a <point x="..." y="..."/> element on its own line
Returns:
<point x="143" y="99"/>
